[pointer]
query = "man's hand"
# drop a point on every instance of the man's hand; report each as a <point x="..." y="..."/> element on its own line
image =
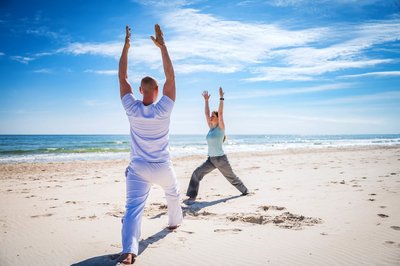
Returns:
<point x="206" y="95"/>
<point x="128" y="37"/>
<point x="221" y="92"/>
<point x="159" y="39"/>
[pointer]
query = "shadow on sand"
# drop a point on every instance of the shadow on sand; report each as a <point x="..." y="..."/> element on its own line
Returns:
<point x="193" y="210"/>
<point x="110" y="259"/>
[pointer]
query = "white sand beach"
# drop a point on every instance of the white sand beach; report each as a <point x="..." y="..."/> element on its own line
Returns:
<point x="328" y="206"/>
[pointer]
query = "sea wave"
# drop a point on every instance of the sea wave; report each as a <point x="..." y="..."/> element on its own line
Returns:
<point x="71" y="148"/>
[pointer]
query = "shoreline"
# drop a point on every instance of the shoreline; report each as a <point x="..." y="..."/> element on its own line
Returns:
<point x="233" y="153"/>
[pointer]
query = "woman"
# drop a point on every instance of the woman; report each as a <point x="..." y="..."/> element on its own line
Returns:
<point x="216" y="155"/>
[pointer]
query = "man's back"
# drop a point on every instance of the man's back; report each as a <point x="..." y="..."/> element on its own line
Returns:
<point x="149" y="128"/>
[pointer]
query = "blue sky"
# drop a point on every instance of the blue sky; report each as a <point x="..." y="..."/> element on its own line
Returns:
<point x="287" y="66"/>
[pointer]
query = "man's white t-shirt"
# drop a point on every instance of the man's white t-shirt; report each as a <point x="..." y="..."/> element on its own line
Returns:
<point x="149" y="126"/>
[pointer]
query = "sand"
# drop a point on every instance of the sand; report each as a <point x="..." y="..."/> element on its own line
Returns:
<point x="328" y="206"/>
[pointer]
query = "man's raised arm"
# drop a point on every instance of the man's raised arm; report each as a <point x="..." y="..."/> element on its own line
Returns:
<point x="169" y="86"/>
<point x="124" y="85"/>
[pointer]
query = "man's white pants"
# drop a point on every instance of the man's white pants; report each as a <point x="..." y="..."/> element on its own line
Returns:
<point x="139" y="178"/>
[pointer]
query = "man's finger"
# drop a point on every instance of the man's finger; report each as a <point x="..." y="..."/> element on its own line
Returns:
<point x="158" y="30"/>
<point x="155" y="41"/>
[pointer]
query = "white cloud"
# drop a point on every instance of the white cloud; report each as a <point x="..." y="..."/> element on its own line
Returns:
<point x="374" y="74"/>
<point x="200" y="42"/>
<point x="94" y="102"/>
<point x="22" y="59"/>
<point x="305" y="63"/>
<point x="111" y="72"/>
<point x="225" y="41"/>
<point x="43" y="71"/>
<point x="320" y="3"/>
<point x="324" y="119"/>
<point x="166" y="3"/>
<point x="288" y="91"/>
<point x="105" y="49"/>
<point x="389" y="95"/>
<point x="216" y="45"/>
<point x="191" y="68"/>
<point x="1" y="53"/>
<point x="299" y="72"/>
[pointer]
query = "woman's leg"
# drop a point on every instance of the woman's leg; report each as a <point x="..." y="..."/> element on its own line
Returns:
<point x="223" y="165"/>
<point x="197" y="176"/>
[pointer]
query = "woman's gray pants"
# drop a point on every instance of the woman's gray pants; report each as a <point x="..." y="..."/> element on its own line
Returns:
<point x="222" y="164"/>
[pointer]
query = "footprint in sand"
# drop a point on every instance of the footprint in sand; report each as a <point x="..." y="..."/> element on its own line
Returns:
<point x="397" y="228"/>
<point x="388" y="242"/>
<point x="42" y="215"/>
<point x="187" y="232"/>
<point x="371" y="199"/>
<point x="235" y="230"/>
<point x="116" y="213"/>
<point x="383" y="215"/>
<point x="266" y="208"/>
<point x="382" y="207"/>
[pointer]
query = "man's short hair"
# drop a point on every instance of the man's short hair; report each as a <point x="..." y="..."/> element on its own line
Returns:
<point x="148" y="84"/>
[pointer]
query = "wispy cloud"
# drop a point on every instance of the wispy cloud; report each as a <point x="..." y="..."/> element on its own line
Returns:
<point x="207" y="37"/>
<point x="94" y="103"/>
<point x="320" y="3"/>
<point x="224" y="46"/>
<point x="374" y="74"/>
<point x="288" y="91"/>
<point x="325" y="119"/>
<point x="1" y="53"/>
<point x="302" y="73"/>
<point x="192" y="68"/>
<point x="389" y="95"/>
<point x="306" y="63"/>
<point x="105" y="49"/>
<point x="43" y="71"/>
<point x="110" y="72"/>
<point x="200" y="42"/>
<point x="44" y="31"/>
<point x="22" y="59"/>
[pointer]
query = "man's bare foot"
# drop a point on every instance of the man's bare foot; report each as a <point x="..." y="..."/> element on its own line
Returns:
<point x="126" y="258"/>
<point x="173" y="227"/>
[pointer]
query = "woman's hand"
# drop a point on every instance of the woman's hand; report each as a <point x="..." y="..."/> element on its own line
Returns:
<point x="206" y="95"/>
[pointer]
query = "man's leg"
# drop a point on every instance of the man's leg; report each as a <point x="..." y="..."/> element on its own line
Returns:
<point x="197" y="176"/>
<point x="225" y="168"/>
<point x="137" y="190"/>
<point x="167" y="180"/>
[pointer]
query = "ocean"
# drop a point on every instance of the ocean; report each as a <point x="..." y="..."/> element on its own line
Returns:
<point x="56" y="148"/>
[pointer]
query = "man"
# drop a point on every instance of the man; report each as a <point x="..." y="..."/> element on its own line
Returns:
<point x="150" y="159"/>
